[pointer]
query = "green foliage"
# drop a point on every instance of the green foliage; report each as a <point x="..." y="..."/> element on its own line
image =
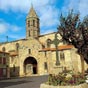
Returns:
<point x="75" y="32"/>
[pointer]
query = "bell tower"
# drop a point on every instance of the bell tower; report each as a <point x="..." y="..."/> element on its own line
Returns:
<point x="32" y="24"/>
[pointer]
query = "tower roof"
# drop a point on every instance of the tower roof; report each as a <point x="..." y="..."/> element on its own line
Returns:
<point x="32" y="13"/>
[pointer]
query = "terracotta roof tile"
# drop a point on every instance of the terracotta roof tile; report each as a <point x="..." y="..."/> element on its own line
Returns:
<point x="13" y="54"/>
<point x="4" y="52"/>
<point x="62" y="47"/>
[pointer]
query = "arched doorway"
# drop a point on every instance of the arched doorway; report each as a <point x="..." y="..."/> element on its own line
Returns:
<point x="30" y="66"/>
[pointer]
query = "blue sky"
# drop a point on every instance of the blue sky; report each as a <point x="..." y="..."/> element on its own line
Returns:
<point x="13" y="15"/>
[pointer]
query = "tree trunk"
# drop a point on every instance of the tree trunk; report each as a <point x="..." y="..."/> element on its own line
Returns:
<point x="82" y="65"/>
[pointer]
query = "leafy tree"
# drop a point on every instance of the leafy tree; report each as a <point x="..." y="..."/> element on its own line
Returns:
<point x="75" y="32"/>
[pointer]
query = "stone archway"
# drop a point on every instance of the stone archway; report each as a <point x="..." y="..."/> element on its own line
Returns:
<point x="30" y="66"/>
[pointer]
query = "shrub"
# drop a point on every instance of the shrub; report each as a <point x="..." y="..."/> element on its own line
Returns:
<point x="66" y="79"/>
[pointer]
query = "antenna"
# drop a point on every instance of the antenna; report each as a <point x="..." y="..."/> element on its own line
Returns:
<point x="6" y="38"/>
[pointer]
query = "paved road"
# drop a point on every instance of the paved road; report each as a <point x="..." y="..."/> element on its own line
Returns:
<point x="26" y="82"/>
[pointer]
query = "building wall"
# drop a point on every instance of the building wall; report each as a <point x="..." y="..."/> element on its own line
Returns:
<point x="51" y="36"/>
<point x="32" y="46"/>
<point x="23" y="53"/>
<point x="4" y="62"/>
<point x="71" y="61"/>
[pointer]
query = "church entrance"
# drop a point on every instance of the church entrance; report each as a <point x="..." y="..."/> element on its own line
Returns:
<point x="30" y="66"/>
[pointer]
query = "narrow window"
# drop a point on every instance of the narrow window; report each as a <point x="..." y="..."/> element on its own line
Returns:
<point x="4" y="60"/>
<point x="45" y="65"/>
<point x="33" y="22"/>
<point x="13" y="68"/>
<point x="29" y="33"/>
<point x="0" y="60"/>
<point x="3" y="49"/>
<point x="28" y="23"/>
<point x="45" y="53"/>
<point x="62" y="57"/>
<point x="17" y="46"/>
<point x="29" y="51"/>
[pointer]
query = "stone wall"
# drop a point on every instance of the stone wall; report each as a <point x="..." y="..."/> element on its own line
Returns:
<point x="78" y="86"/>
<point x="72" y="59"/>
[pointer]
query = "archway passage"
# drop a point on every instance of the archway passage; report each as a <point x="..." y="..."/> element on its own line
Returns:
<point x="30" y="65"/>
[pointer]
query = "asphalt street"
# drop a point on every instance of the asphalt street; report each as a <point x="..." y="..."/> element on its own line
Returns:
<point x="24" y="82"/>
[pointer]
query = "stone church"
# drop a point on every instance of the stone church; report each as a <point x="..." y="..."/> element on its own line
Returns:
<point x="36" y="55"/>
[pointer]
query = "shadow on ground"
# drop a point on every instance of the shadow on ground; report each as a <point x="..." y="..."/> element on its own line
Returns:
<point x="4" y="84"/>
<point x="23" y="82"/>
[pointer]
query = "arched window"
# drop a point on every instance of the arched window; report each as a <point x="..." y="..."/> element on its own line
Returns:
<point x="33" y="22"/>
<point x="3" y="49"/>
<point x="29" y="23"/>
<point x="17" y="46"/>
<point x="48" y="42"/>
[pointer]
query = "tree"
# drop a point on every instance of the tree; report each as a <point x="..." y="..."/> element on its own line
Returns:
<point x="75" y="32"/>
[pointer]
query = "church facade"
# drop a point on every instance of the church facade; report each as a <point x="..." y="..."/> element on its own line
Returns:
<point x="35" y="55"/>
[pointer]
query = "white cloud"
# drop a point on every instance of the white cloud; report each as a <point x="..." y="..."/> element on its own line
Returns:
<point x="69" y="5"/>
<point x="21" y="5"/>
<point x="80" y="6"/>
<point x="48" y="13"/>
<point x="49" y="16"/>
<point x="45" y="8"/>
<point x="4" y="27"/>
<point x="14" y="5"/>
<point x="83" y="7"/>
<point x="11" y="30"/>
<point x="14" y="28"/>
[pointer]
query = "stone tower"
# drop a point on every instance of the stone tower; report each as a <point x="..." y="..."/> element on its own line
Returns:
<point x="32" y="24"/>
